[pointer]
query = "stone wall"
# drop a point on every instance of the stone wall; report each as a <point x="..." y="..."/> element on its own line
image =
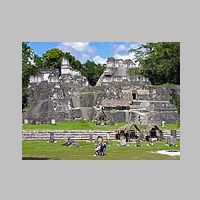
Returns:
<point x="76" y="134"/>
<point x="63" y="135"/>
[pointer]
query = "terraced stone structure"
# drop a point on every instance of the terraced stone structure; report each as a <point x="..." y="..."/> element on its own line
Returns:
<point x="65" y="95"/>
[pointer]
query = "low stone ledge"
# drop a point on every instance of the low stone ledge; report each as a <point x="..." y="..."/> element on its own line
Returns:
<point x="63" y="134"/>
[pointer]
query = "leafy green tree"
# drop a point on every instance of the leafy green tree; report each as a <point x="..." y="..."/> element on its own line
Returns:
<point x="52" y="58"/>
<point x="160" y="62"/>
<point x="31" y="63"/>
<point x="75" y="63"/>
<point x="175" y="99"/>
<point x="134" y="71"/>
<point x="92" y="71"/>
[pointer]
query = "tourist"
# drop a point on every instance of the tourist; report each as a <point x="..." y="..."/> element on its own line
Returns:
<point x="103" y="148"/>
<point x="100" y="149"/>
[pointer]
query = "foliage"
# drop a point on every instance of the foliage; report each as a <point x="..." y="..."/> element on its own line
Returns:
<point x="160" y="62"/>
<point x="75" y="63"/>
<point x="134" y="71"/>
<point x="52" y="58"/>
<point x="31" y="63"/>
<point x="175" y="99"/>
<point x="92" y="71"/>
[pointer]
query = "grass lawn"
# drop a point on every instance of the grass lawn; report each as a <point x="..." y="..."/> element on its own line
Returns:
<point x="56" y="151"/>
<point x="174" y="126"/>
<point x="72" y="125"/>
<point x="84" y="125"/>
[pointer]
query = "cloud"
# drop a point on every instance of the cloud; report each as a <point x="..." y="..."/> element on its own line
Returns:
<point x="121" y="49"/>
<point x="78" y="46"/>
<point x="135" y="45"/>
<point x="89" y="51"/>
<point x="81" y="50"/>
<point x="99" y="60"/>
<point x="126" y="56"/>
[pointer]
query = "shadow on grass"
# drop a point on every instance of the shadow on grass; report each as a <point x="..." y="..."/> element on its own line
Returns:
<point x="34" y="158"/>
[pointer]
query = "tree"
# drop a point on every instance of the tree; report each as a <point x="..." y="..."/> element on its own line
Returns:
<point x="31" y="63"/>
<point x="52" y="58"/>
<point x="92" y="71"/>
<point x="75" y="63"/>
<point x="175" y="99"/>
<point x="160" y="62"/>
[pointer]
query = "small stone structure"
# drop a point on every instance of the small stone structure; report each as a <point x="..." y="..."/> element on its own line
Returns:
<point x="170" y="140"/>
<point x="65" y="95"/>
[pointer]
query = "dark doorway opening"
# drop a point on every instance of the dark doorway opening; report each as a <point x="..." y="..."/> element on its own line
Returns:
<point x="134" y="96"/>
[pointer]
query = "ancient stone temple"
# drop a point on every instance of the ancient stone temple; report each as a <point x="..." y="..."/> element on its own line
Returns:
<point x="66" y="95"/>
<point x="117" y="72"/>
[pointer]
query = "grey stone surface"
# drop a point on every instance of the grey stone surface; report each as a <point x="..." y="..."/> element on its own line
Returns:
<point x="170" y="140"/>
<point x="68" y="96"/>
<point x="138" y="142"/>
<point x="63" y="135"/>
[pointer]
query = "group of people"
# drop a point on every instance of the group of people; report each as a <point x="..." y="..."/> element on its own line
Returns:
<point x="100" y="149"/>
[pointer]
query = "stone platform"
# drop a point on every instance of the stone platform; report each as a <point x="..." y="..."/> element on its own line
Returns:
<point x="75" y="134"/>
<point x="63" y="135"/>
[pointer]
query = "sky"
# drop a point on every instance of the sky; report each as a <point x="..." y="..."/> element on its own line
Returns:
<point x="96" y="51"/>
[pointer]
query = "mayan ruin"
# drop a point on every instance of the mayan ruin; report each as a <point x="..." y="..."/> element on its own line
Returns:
<point x="64" y="94"/>
<point x="114" y="106"/>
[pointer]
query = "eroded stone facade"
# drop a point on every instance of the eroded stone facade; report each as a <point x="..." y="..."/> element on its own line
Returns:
<point x="117" y="72"/>
<point x="66" y="95"/>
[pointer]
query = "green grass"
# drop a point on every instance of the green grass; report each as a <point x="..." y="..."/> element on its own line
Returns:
<point x="84" y="125"/>
<point x="174" y="126"/>
<point x="57" y="151"/>
<point x="72" y="125"/>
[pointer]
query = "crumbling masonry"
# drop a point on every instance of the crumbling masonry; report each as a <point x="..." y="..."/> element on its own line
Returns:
<point x="117" y="97"/>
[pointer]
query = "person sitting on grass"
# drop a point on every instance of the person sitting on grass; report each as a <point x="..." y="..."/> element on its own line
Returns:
<point x="103" y="148"/>
<point x="100" y="149"/>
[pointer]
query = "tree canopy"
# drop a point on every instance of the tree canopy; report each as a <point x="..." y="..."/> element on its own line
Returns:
<point x="92" y="71"/>
<point x="160" y="62"/>
<point x="31" y="63"/>
<point x="175" y="99"/>
<point x="52" y="58"/>
<point x="75" y="63"/>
